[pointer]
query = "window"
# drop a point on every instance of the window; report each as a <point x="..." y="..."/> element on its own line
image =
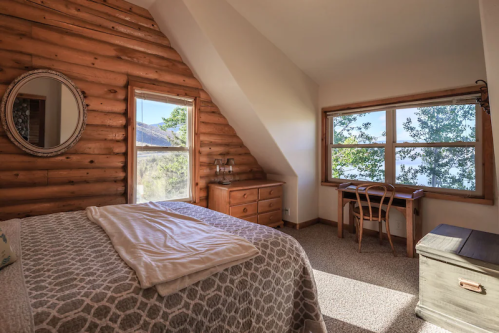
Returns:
<point x="435" y="145"/>
<point x="163" y="147"/>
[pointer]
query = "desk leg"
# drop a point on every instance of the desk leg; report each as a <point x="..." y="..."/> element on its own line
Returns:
<point x="340" y="214"/>
<point x="419" y="220"/>
<point x="351" y="222"/>
<point x="409" y="224"/>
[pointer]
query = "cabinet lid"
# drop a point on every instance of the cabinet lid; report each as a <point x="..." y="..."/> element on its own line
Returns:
<point x="461" y="245"/>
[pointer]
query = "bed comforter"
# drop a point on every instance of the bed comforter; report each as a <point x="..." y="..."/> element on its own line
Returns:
<point x="76" y="282"/>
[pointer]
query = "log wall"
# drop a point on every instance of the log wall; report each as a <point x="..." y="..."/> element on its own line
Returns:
<point x="101" y="45"/>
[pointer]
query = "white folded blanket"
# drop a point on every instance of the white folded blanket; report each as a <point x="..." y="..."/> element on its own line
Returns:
<point x="166" y="249"/>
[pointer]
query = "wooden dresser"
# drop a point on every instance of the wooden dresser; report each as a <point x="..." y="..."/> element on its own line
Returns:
<point x="257" y="201"/>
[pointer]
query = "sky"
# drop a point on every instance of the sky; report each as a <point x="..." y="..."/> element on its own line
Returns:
<point x="150" y="112"/>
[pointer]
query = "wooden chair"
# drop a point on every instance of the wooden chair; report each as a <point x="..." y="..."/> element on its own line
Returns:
<point x="371" y="213"/>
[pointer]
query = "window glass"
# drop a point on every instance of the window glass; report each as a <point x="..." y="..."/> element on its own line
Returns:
<point x="162" y="150"/>
<point x="161" y="124"/>
<point x="440" y="167"/>
<point x="358" y="163"/>
<point x="360" y="128"/>
<point x="162" y="175"/>
<point x="430" y="146"/>
<point x="445" y="123"/>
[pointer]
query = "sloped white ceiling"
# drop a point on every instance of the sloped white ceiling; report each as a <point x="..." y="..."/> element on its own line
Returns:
<point x="328" y="39"/>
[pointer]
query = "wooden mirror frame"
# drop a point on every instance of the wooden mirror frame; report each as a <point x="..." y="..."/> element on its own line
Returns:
<point x="6" y="110"/>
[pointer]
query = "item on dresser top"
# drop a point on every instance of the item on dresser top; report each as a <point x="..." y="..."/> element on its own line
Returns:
<point x="459" y="279"/>
<point x="166" y="249"/>
<point x="220" y="162"/>
<point x="257" y="201"/>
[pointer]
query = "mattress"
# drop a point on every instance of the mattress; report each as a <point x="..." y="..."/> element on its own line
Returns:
<point x="76" y="282"/>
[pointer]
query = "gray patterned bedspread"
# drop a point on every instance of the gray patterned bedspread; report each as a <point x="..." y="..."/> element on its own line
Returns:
<point x="77" y="283"/>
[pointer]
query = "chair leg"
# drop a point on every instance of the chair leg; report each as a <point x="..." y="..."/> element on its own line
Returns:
<point x="361" y="231"/>
<point x="380" y="227"/>
<point x="390" y="237"/>
<point x="356" y="229"/>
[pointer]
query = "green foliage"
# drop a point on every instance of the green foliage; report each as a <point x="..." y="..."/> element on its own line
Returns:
<point x="356" y="163"/>
<point x="177" y="120"/>
<point x="165" y="175"/>
<point x="445" y="167"/>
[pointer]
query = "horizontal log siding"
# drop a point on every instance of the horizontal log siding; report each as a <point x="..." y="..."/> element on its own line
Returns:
<point x="101" y="45"/>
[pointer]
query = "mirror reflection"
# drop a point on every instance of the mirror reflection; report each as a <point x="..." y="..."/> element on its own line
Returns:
<point x="45" y="112"/>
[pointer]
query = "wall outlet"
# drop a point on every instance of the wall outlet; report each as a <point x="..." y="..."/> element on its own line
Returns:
<point x="287" y="211"/>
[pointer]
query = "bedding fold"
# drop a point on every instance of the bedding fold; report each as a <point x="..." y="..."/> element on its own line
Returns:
<point x="166" y="249"/>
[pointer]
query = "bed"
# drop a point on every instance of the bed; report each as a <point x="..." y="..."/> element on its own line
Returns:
<point x="75" y="281"/>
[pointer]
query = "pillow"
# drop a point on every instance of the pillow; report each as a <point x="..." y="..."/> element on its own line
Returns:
<point x="7" y="256"/>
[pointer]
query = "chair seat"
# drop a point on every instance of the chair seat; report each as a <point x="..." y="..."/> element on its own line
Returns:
<point x="365" y="211"/>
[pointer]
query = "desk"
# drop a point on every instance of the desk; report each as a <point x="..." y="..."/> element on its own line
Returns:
<point x="406" y="201"/>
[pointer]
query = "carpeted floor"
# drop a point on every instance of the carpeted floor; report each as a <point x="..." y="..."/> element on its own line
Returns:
<point x="362" y="292"/>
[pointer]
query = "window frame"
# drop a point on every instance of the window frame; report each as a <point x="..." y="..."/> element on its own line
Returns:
<point x="391" y="146"/>
<point x="133" y="150"/>
<point x="484" y="193"/>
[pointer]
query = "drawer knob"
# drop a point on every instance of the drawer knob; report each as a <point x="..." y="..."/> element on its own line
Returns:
<point x="245" y="210"/>
<point x="271" y="191"/>
<point x="245" y="195"/>
<point x="271" y="204"/>
<point x="470" y="285"/>
<point x="270" y="217"/>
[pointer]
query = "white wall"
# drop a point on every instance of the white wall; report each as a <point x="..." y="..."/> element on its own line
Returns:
<point x="425" y="76"/>
<point x="69" y="113"/>
<point x="489" y="13"/>
<point x="266" y="98"/>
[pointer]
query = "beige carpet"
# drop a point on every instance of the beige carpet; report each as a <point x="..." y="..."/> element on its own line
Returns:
<point x="362" y="292"/>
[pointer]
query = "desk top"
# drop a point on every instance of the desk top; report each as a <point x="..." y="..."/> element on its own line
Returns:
<point x="405" y="194"/>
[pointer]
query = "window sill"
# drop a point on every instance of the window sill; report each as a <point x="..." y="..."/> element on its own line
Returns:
<point x="439" y="196"/>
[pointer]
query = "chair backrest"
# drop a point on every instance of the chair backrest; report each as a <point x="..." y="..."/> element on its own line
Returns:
<point x="381" y="190"/>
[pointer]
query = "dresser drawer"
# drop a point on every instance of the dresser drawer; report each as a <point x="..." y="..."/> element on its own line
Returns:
<point x="243" y="196"/>
<point x="253" y="218"/>
<point x="244" y="210"/>
<point x="440" y="292"/>
<point x="269" y="205"/>
<point x="270" y="192"/>
<point x="269" y="218"/>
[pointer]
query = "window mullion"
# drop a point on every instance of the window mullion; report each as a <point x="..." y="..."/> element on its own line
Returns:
<point x="390" y="149"/>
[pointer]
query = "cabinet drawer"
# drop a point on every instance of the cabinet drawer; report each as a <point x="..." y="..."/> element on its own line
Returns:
<point x="270" y="192"/>
<point x="243" y="196"/>
<point x="243" y="210"/>
<point x="440" y="291"/>
<point x="269" y="218"/>
<point x="253" y="218"/>
<point x="269" y="205"/>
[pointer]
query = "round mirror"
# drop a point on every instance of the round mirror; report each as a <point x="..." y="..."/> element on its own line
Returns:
<point x="43" y="113"/>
